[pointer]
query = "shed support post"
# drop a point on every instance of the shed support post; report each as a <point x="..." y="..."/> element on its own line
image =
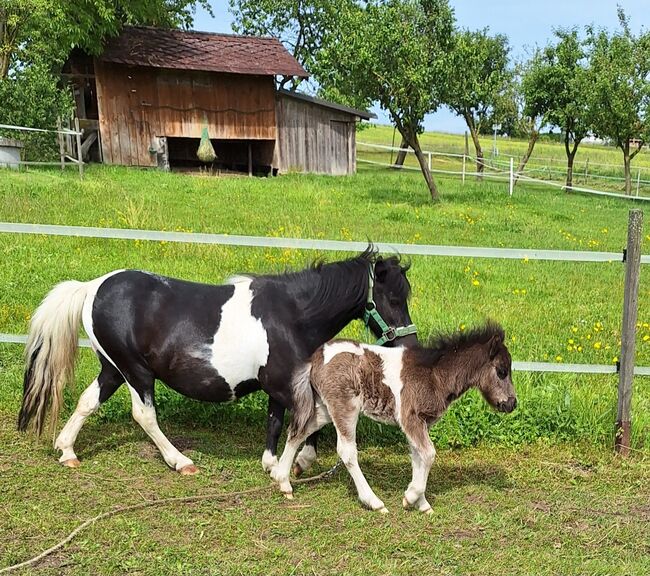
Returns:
<point x="79" y="151"/>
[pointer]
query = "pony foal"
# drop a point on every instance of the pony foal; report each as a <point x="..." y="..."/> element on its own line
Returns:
<point x="409" y="387"/>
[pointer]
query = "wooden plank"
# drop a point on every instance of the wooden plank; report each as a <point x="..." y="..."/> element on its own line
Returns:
<point x="104" y="121"/>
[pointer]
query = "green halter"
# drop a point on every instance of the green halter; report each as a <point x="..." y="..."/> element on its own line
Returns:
<point x="388" y="334"/>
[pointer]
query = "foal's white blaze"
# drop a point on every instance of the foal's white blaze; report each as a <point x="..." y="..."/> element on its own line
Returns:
<point x="240" y="347"/>
<point x="331" y="350"/>
<point x="392" y="366"/>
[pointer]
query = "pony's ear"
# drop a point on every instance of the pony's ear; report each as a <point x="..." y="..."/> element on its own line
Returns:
<point x="495" y="344"/>
<point x="381" y="270"/>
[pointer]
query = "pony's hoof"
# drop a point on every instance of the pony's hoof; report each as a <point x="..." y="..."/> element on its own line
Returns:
<point x="428" y="511"/>
<point x="288" y="495"/>
<point x="189" y="470"/>
<point x="297" y="470"/>
<point x="383" y="510"/>
<point x="71" y="463"/>
<point x="405" y="504"/>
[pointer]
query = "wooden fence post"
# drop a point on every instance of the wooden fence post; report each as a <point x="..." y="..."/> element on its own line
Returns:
<point x="59" y="137"/>
<point x="628" y="331"/>
<point x="79" y="152"/>
<point x="464" y="160"/>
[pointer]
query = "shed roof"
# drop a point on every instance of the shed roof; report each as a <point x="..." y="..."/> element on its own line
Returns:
<point x="364" y="114"/>
<point x="201" y="51"/>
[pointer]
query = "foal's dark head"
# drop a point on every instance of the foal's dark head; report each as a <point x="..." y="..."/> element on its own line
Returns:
<point x="390" y="293"/>
<point x="495" y="372"/>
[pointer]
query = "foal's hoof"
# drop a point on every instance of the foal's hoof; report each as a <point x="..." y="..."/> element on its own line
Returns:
<point x="71" y="463"/>
<point x="189" y="470"/>
<point x="383" y="510"/>
<point x="428" y="511"/>
<point x="297" y="470"/>
<point x="288" y="495"/>
<point x="405" y="504"/>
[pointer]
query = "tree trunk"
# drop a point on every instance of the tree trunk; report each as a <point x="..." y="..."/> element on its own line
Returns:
<point x="570" y="156"/>
<point x="628" y="173"/>
<point x="424" y="166"/>
<point x="401" y="155"/>
<point x="480" y="164"/>
<point x="534" y="135"/>
<point x="569" y="172"/>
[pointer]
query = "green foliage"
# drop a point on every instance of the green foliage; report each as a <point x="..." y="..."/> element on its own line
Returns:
<point x="302" y="26"/>
<point x="619" y="94"/>
<point x="31" y="97"/>
<point x="46" y="30"/>
<point x="393" y="53"/>
<point x="477" y="78"/>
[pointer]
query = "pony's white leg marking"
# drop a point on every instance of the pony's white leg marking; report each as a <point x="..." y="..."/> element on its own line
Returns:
<point x="347" y="450"/>
<point x="269" y="461"/>
<point x="422" y="459"/>
<point x="145" y="415"/>
<point x="306" y="457"/>
<point x="282" y="471"/>
<point x="88" y="403"/>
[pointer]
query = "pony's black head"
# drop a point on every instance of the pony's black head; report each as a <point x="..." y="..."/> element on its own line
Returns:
<point x="390" y="293"/>
<point x="495" y="382"/>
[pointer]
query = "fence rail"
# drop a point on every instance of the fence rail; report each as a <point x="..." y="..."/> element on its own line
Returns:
<point x="310" y="244"/>
<point x="341" y="246"/>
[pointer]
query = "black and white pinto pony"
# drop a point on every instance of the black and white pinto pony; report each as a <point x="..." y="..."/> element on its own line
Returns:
<point x="209" y="342"/>
<point x="409" y="387"/>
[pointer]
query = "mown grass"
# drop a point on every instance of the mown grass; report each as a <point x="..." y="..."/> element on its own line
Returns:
<point x="534" y="492"/>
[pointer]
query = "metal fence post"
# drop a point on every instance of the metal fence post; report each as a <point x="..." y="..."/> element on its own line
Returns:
<point x="628" y="331"/>
<point x="638" y="181"/>
<point x="464" y="161"/>
<point x="429" y="153"/>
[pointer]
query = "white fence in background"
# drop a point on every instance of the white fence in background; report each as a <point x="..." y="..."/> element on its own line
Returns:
<point x="341" y="246"/>
<point x="496" y="170"/>
<point x="70" y="147"/>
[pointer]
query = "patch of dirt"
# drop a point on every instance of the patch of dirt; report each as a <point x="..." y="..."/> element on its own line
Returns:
<point x="461" y="534"/>
<point x="541" y="506"/>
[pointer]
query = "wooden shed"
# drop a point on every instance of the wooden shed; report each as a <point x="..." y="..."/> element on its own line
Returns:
<point x="147" y="98"/>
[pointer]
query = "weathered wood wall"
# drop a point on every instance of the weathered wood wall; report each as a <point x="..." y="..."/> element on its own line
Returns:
<point x="314" y="138"/>
<point x="136" y="105"/>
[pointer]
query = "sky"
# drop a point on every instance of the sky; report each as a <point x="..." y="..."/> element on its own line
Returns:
<point x="526" y="23"/>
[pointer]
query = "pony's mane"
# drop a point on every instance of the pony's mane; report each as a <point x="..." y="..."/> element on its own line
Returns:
<point x="440" y="344"/>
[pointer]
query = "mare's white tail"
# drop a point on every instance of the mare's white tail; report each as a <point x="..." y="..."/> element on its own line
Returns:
<point x="51" y="352"/>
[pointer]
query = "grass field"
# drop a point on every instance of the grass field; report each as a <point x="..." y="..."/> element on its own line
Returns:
<point x="596" y="166"/>
<point x="537" y="491"/>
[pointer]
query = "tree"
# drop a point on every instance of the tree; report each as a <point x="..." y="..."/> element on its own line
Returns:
<point x="477" y="76"/>
<point x="526" y="105"/>
<point x="560" y="83"/>
<point x="393" y="53"/>
<point x="301" y="25"/>
<point x="619" y="91"/>
<point x="47" y="30"/>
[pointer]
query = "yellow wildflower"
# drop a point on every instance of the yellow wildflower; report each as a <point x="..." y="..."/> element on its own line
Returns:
<point x="597" y="345"/>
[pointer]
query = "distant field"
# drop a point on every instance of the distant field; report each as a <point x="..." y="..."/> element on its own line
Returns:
<point x="596" y="166"/>
<point x="534" y="492"/>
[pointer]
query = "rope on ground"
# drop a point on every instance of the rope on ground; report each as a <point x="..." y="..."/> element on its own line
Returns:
<point x="161" y="502"/>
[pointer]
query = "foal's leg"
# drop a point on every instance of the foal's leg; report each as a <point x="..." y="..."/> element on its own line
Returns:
<point x="101" y="389"/>
<point x="144" y="413"/>
<point x="345" y="422"/>
<point x="307" y="456"/>
<point x="422" y="456"/>
<point x="273" y="430"/>
<point x="282" y="471"/>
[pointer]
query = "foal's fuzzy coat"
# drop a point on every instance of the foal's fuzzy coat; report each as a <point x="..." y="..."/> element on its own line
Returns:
<point x="409" y="387"/>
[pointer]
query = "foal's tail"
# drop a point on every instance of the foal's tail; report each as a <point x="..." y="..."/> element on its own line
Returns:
<point x="303" y="399"/>
<point x="51" y="352"/>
